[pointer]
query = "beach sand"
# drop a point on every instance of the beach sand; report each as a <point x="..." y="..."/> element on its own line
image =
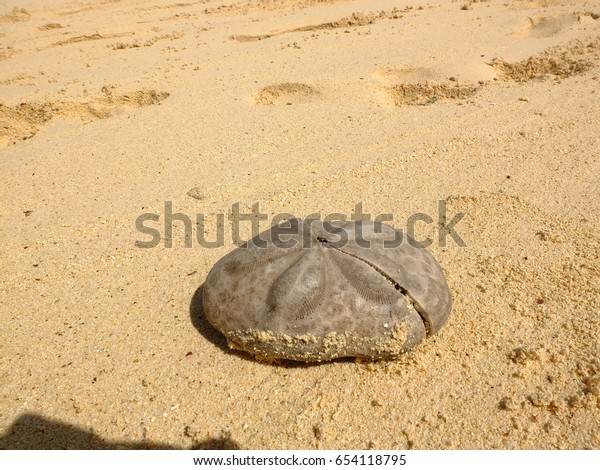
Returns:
<point x="110" y="109"/>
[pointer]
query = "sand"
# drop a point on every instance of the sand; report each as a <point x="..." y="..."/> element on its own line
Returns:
<point x="110" y="108"/>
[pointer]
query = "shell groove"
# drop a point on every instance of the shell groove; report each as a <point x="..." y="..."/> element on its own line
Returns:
<point x="300" y="289"/>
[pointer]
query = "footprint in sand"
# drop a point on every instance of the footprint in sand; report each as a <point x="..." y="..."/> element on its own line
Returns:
<point x="534" y="4"/>
<point x="285" y="94"/>
<point x="16" y="15"/>
<point x="424" y="86"/>
<point x="23" y="121"/>
<point x="8" y="52"/>
<point x="428" y="93"/>
<point x="544" y="26"/>
<point x="357" y="19"/>
<point x="561" y="61"/>
<point x="50" y="26"/>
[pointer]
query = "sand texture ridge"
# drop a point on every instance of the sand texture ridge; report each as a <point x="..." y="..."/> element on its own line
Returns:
<point x="114" y="109"/>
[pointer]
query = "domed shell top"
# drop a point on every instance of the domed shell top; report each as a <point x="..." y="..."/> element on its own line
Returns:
<point x="312" y="291"/>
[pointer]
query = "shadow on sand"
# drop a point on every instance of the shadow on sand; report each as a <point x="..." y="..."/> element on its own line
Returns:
<point x="207" y="330"/>
<point x="34" y="432"/>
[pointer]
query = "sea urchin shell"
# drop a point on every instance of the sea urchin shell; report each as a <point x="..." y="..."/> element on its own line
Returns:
<point x="311" y="291"/>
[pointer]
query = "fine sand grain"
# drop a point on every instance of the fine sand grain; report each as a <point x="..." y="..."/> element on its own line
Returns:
<point x="113" y="109"/>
